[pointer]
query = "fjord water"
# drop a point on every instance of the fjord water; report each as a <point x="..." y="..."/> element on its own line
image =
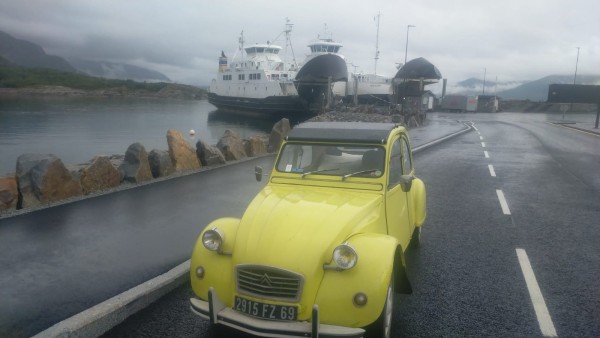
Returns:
<point x="77" y="129"/>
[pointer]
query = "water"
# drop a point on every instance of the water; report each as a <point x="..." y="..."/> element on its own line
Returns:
<point x="77" y="129"/>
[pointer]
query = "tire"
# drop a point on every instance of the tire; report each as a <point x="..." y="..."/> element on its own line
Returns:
<point x="382" y="327"/>
<point x="415" y="240"/>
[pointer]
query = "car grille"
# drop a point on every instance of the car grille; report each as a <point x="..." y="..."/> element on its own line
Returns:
<point x="268" y="282"/>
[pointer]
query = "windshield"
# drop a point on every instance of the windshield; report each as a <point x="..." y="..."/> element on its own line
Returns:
<point x="338" y="160"/>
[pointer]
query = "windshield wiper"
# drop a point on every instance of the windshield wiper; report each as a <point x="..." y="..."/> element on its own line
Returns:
<point x="358" y="173"/>
<point x="319" y="171"/>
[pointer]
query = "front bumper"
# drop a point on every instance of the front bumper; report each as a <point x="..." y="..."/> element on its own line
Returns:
<point x="217" y="313"/>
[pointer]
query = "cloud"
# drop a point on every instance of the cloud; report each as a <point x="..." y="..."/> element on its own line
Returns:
<point x="511" y="39"/>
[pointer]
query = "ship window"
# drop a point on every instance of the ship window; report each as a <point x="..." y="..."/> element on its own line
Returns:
<point x="241" y="77"/>
<point x="258" y="76"/>
<point x="260" y="50"/>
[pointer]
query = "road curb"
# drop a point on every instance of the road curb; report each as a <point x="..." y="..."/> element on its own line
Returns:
<point x="422" y="147"/>
<point x="568" y="125"/>
<point x="100" y="318"/>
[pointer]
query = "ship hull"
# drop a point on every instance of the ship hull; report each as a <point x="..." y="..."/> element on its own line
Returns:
<point x="266" y="105"/>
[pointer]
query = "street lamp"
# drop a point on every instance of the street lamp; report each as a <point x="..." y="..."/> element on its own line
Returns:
<point x="576" y="63"/>
<point x="484" y="71"/>
<point x="406" y="48"/>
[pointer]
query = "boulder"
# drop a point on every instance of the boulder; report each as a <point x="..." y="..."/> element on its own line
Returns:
<point x="9" y="195"/>
<point x="232" y="146"/>
<point x="135" y="167"/>
<point x="160" y="163"/>
<point x="99" y="175"/>
<point x="278" y="134"/>
<point x="183" y="155"/>
<point x="255" y="146"/>
<point x="43" y="178"/>
<point x="209" y="155"/>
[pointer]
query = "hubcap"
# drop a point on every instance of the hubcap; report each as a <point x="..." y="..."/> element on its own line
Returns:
<point x="389" y="307"/>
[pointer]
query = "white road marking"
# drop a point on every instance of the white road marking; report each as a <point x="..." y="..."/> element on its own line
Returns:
<point x="485" y="153"/>
<point x="483" y="144"/>
<point x="492" y="171"/>
<point x="539" y="304"/>
<point x="481" y="138"/>
<point x="475" y="128"/>
<point x="503" y="203"/>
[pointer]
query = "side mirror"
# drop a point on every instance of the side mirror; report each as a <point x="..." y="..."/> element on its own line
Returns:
<point x="258" y="172"/>
<point x="406" y="182"/>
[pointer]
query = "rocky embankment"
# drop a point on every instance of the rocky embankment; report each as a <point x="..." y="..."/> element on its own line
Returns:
<point x="44" y="180"/>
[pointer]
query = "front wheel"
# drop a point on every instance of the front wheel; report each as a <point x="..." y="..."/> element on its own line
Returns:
<point x="415" y="240"/>
<point x="382" y="327"/>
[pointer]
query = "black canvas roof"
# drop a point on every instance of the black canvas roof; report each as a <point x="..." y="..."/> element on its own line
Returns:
<point x="353" y="132"/>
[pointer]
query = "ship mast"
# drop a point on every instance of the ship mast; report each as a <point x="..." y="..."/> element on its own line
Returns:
<point x="377" y="42"/>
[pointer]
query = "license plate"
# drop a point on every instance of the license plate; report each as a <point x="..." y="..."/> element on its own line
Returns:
<point x="265" y="311"/>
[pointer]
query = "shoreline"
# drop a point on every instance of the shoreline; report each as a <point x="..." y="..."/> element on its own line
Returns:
<point x="170" y="91"/>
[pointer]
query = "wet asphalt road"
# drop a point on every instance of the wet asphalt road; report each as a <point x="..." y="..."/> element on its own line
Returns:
<point x="59" y="261"/>
<point x="466" y="276"/>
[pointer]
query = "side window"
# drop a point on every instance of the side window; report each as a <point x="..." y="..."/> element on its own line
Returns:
<point x="406" y="160"/>
<point x="395" y="164"/>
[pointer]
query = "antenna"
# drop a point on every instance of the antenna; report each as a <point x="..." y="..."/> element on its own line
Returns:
<point x="377" y="41"/>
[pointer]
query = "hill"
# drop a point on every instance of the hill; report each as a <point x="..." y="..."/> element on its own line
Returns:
<point x="112" y="70"/>
<point x="536" y="90"/>
<point x="16" y="80"/>
<point x="31" y="55"/>
<point x="27" y="54"/>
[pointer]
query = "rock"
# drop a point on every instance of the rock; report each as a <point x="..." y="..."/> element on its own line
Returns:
<point x="160" y="163"/>
<point x="42" y="179"/>
<point x="231" y="146"/>
<point x="209" y="155"/>
<point x="99" y="175"/>
<point x="278" y="134"/>
<point x="135" y="167"/>
<point x="183" y="155"/>
<point x="255" y="146"/>
<point x="9" y="195"/>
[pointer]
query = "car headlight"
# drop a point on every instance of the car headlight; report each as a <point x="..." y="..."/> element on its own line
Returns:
<point x="345" y="256"/>
<point x="213" y="239"/>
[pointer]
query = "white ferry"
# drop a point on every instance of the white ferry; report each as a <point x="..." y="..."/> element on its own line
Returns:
<point x="259" y="80"/>
<point x="368" y="88"/>
<point x="323" y="68"/>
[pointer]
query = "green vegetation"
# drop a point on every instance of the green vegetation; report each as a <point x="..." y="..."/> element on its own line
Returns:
<point x="20" y="77"/>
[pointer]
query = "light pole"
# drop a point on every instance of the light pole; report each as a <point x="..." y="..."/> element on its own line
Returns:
<point x="576" y="63"/>
<point x="484" y="71"/>
<point x="574" y="78"/>
<point x="406" y="48"/>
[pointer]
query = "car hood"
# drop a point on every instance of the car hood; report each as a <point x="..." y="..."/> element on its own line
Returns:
<point x="297" y="229"/>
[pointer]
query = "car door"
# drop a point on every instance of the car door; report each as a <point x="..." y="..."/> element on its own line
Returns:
<point x="396" y="205"/>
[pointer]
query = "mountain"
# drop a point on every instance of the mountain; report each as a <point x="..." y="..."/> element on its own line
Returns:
<point x="538" y="90"/>
<point x="474" y="86"/>
<point x="27" y="54"/>
<point x="514" y="90"/>
<point x="120" y="71"/>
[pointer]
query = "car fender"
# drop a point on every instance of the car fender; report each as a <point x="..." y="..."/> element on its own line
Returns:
<point x="218" y="269"/>
<point x="371" y="276"/>
<point x="419" y="201"/>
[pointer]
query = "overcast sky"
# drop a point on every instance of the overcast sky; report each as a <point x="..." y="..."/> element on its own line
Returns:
<point x="511" y="39"/>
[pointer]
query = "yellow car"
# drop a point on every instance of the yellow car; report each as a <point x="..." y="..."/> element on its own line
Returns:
<point x="319" y="252"/>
